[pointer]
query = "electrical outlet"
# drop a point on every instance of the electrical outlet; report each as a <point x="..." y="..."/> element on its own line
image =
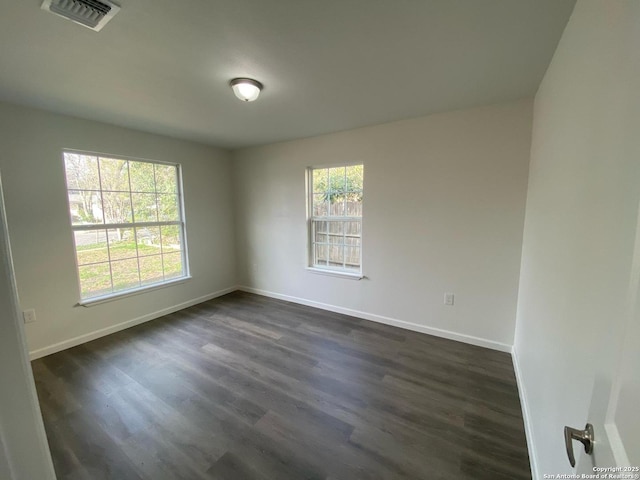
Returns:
<point x="29" y="315"/>
<point x="448" y="298"/>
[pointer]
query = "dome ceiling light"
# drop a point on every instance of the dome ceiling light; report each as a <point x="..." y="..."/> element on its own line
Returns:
<point x="246" y="89"/>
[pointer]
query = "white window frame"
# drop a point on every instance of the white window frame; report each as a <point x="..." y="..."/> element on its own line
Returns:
<point x="326" y="269"/>
<point x="107" y="226"/>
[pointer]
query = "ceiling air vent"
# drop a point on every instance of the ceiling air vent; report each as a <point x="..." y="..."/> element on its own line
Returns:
<point x="92" y="14"/>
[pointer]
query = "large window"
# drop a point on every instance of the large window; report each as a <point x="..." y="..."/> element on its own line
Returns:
<point x="127" y="223"/>
<point x="335" y="218"/>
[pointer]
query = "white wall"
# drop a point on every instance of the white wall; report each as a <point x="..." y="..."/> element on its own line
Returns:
<point x="443" y="212"/>
<point x="33" y="174"/>
<point x="24" y="451"/>
<point x="582" y="205"/>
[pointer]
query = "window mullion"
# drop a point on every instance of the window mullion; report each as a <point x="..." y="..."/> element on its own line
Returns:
<point x="135" y="229"/>
<point x="344" y="223"/>
<point x="183" y="233"/>
<point x="155" y="191"/>
<point x="99" y="226"/>
<point x="104" y="221"/>
<point x="312" y="227"/>
<point x="344" y="243"/>
<point x="337" y="219"/>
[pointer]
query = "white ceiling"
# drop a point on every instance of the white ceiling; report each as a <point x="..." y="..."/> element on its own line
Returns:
<point x="163" y="66"/>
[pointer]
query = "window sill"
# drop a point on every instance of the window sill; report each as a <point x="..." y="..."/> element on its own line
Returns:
<point x="90" y="302"/>
<point x="336" y="273"/>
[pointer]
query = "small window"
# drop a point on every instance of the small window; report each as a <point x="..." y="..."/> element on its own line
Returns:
<point x="335" y="218"/>
<point x="127" y="222"/>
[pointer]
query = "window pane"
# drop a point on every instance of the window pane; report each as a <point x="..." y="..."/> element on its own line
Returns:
<point x="320" y="205"/>
<point x="170" y="238"/>
<point x="336" y="238"/>
<point x="144" y="207"/>
<point x="336" y="207"/>
<point x="91" y="246"/>
<point x="353" y="206"/>
<point x="353" y="228"/>
<point x="337" y="179"/>
<point x="114" y="175"/>
<point x="320" y="254"/>
<point x="117" y="207"/>
<point x="168" y="210"/>
<point x="81" y="171"/>
<point x="172" y="265"/>
<point x="336" y="227"/>
<point x="148" y="241"/>
<point x="320" y="226"/>
<point x="336" y="255"/>
<point x="122" y="243"/>
<point x="151" y="269"/>
<point x="85" y="207"/>
<point x="142" y="179"/>
<point x="354" y="177"/>
<point x="166" y="178"/>
<point x="352" y="257"/>
<point x="320" y="180"/>
<point x="125" y="274"/>
<point x="95" y="280"/>
<point x="352" y="241"/>
<point x="321" y="237"/>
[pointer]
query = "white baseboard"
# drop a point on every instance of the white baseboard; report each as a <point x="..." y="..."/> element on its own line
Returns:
<point x="72" y="342"/>
<point x="460" y="337"/>
<point x="533" y="458"/>
<point x="87" y="337"/>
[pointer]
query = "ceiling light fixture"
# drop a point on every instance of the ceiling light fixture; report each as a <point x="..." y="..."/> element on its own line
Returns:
<point x="246" y="89"/>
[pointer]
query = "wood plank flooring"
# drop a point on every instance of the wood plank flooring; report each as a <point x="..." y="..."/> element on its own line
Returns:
<point x="247" y="387"/>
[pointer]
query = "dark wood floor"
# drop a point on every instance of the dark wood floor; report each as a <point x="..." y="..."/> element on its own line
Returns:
<point x="246" y="387"/>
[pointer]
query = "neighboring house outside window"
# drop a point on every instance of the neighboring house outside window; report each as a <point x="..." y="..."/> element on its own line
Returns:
<point x="335" y="218"/>
<point x="127" y="222"/>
